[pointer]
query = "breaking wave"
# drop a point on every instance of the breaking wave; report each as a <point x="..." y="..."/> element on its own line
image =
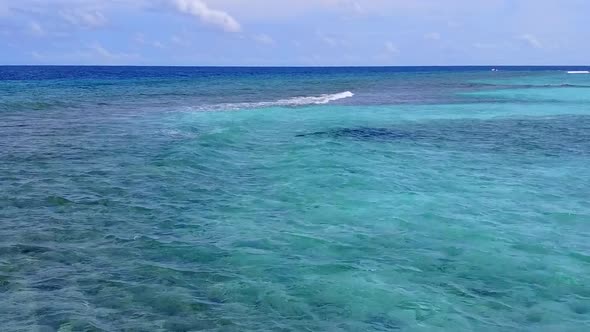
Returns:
<point x="289" y="102"/>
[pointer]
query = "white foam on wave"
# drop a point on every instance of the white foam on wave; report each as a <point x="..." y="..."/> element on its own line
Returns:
<point x="289" y="102"/>
<point x="578" y="72"/>
<point x="323" y="99"/>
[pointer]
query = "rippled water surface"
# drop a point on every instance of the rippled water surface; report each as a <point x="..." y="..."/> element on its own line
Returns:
<point x="343" y="199"/>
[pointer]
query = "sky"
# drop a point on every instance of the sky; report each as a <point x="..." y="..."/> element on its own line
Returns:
<point x="295" y="32"/>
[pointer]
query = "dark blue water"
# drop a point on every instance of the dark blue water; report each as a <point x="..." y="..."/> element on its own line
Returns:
<point x="294" y="199"/>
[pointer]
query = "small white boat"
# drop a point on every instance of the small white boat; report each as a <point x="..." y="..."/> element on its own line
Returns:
<point x="578" y="72"/>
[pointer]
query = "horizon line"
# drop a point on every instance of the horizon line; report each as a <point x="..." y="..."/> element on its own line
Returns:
<point x="283" y="66"/>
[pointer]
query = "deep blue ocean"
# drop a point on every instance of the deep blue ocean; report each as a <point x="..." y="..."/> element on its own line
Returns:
<point x="294" y="199"/>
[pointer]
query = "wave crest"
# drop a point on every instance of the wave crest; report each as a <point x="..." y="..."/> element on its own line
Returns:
<point x="289" y="102"/>
<point x="323" y="99"/>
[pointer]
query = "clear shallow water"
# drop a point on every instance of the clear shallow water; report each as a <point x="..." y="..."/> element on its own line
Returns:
<point x="183" y="199"/>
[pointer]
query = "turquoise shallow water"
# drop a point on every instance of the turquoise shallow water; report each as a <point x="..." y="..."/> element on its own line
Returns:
<point x="138" y="199"/>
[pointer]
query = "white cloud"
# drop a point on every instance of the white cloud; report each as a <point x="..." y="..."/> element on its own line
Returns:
<point x="37" y="55"/>
<point x="277" y="9"/>
<point x="140" y="39"/>
<point x="432" y="36"/>
<point x="92" y="54"/>
<point x="484" y="46"/>
<point x="200" y="10"/>
<point x="96" y="50"/>
<point x="342" y="5"/>
<point x="453" y="24"/>
<point x="79" y="17"/>
<point x="530" y="40"/>
<point x="175" y="39"/>
<point x="331" y="40"/>
<point x="263" y="9"/>
<point x="387" y="53"/>
<point x="36" y="29"/>
<point x="263" y="39"/>
<point x="390" y="48"/>
<point x="356" y="7"/>
<point x="158" y="44"/>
